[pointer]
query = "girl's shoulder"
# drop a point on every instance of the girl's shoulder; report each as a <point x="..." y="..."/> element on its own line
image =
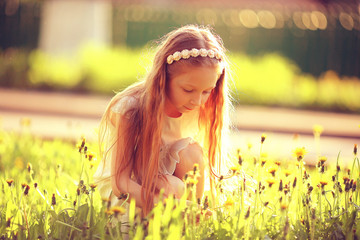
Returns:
<point x="124" y="104"/>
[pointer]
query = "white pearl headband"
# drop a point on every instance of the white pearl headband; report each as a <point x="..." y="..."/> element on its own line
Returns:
<point x="185" y="54"/>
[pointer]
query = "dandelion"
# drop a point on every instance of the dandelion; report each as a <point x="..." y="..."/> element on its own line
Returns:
<point x="277" y="163"/>
<point x="90" y="156"/>
<point x="229" y="202"/>
<point x="272" y="171"/>
<point x="235" y="169"/>
<point x="323" y="183"/>
<point x="287" y="173"/>
<point x="25" y="122"/>
<point x="118" y="210"/>
<point x="317" y="130"/>
<point x="299" y="153"/>
<point x="322" y="161"/>
<point x="283" y="206"/>
<point x="9" y="182"/>
<point x="93" y="186"/>
<point x="249" y="145"/>
<point x="109" y="212"/>
<point x="270" y="182"/>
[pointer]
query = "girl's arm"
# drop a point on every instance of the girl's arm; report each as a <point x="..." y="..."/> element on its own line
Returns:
<point x="123" y="183"/>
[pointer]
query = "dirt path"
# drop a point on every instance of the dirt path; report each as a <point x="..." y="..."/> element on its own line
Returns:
<point x="69" y="116"/>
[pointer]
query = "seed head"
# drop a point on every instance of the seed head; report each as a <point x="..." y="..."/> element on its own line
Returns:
<point x="53" y="200"/>
<point x="355" y="149"/>
<point x="195" y="168"/>
<point x="27" y="188"/>
<point x="240" y="160"/>
<point x="247" y="213"/>
<point x="280" y="185"/>
<point x="29" y="167"/>
<point x="263" y="137"/>
<point x="294" y="183"/>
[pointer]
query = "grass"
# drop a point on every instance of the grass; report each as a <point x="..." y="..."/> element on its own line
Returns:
<point x="48" y="193"/>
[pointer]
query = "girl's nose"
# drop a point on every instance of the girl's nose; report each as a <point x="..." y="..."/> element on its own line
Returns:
<point x="196" y="100"/>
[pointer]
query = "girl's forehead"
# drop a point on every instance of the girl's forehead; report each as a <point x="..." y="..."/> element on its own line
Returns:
<point x="203" y="77"/>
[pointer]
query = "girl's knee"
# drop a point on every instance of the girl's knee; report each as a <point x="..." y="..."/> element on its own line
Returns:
<point x="193" y="153"/>
<point x="176" y="185"/>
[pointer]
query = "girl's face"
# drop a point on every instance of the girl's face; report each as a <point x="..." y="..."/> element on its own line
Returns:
<point x="190" y="89"/>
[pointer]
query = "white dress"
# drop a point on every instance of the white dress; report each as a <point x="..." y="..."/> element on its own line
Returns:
<point x="177" y="134"/>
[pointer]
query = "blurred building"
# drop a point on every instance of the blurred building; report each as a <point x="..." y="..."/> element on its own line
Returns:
<point x="317" y="34"/>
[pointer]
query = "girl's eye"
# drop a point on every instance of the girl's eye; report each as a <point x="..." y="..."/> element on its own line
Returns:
<point x="188" y="91"/>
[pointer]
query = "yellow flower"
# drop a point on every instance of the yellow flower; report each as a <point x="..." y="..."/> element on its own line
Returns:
<point x="287" y="173"/>
<point x="229" y="202"/>
<point x="277" y="163"/>
<point x="25" y="122"/>
<point x="93" y="186"/>
<point x="299" y="153"/>
<point x="9" y="182"/>
<point x="272" y="170"/>
<point x="235" y="169"/>
<point x="118" y="210"/>
<point x="322" y="160"/>
<point x="323" y="183"/>
<point x="317" y="130"/>
<point x="270" y="182"/>
<point x="283" y="206"/>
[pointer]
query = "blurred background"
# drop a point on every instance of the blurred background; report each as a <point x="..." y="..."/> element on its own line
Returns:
<point x="292" y="54"/>
<point x="303" y="54"/>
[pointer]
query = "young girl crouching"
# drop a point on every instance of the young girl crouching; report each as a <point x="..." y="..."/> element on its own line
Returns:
<point x="153" y="132"/>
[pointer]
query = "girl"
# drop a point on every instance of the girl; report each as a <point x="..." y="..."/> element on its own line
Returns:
<point x="154" y="131"/>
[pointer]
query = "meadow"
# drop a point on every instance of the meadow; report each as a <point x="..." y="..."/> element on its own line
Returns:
<point x="48" y="193"/>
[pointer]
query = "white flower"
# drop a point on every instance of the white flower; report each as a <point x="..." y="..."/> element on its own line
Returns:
<point x="177" y="56"/>
<point x="211" y="54"/>
<point x="194" y="52"/>
<point x="203" y="52"/>
<point x="217" y="55"/>
<point x="170" y="59"/>
<point x="185" y="54"/>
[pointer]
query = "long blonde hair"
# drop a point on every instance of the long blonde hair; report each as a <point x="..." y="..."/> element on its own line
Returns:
<point x="143" y="136"/>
